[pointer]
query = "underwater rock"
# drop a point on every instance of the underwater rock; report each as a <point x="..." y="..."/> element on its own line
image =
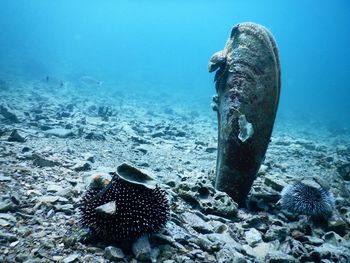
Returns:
<point x="16" y="137"/>
<point x="344" y="171"/>
<point x="43" y="161"/>
<point x="94" y="136"/>
<point x="279" y="257"/>
<point x="248" y="86"/>
<point x="276" y="233"/>
<point x="113" y="253"/>
<point x="202" y="195"/>
<point x="142" y="248"/>
<point x="82" y="166"/>
<point x="8" y="115"/>
<point x="60" y="132"/>
<point x="253" y="236"/>
<point x="127" y="207"/>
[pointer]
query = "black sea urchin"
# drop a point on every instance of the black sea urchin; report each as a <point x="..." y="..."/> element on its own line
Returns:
<point x="308" y="200"/>
<point x="124" y="210"/>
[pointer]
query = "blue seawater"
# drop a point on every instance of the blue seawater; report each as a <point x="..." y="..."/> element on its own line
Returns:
<point x="168" y="44"/>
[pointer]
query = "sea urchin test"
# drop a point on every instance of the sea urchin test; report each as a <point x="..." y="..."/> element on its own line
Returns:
<point x="248" y="87"/>
<point x="308" y="198"/>
<point x="127" y="207"/>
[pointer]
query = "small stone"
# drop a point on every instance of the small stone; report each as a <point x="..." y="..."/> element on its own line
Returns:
<point x="298" y="235"/>
<point x="7" y="206"/>
<point x="344" y="171"/>
<point x="229" y="255"/>
<point x="259" y="251"/>
<point x="89" y="157"/>
<point x="82" y="166"/>
<point x="13" y="244"/>
<point x="54" y="188"/>
<point x="67" y="208"/>
<point x="197" y="223"/>
<point x="5" y="178"/>
<point x="4" y="223"/>
<point x="333" y="238"/>
<point x="16" y="137"/>
<point x="48" y="199"/>
<point x="95" y="136"/>
<point x="43" y="162"/>
<point x="279" y="257"/>
<point x="274" y="182"/>
<point x="154" y="254"/>
<point x="211" y="149"/>
<point x="142" y="248"/>
<point x="7" y="237"/>
<point x="25" y="149"/>
<point x="113" y="253"/>
<point x="60" y="132"/>
<point x="276" y="233"/>
<point x="337" y="224"/>
<point x="253" y="236"/>
<point x="313" y="240"/>
<point x="71" y="258"/>
<point x="8" y="115"/>
<point x="8" y="217"/>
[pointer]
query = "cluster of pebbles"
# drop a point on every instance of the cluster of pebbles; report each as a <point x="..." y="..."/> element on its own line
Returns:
<point x="52" y="139"/>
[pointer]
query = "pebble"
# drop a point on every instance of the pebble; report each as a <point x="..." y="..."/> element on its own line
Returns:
<point x="71" y="258"/>
<point x="16" y="137"/>
<point x="337" y="224"/>
<point x="67" y="208"/>
<point x="211" y="149"/>
<point x="48" y="199"/>
<point x="276" y="232"/>
<point x="82" y="166"/>
<point x="7" y="206"/>
<point x="142" y="248"/>
<point x="7" y="237"/>
<point x="274" y="182"/>
<point x="230" y="255"/>
<point x="54" y="188"/>
<point x="253" y="236"/>
<point x="60" y="132"/>
<point x="333" y="238"/>
<point x="259" y="251"/>
<point x="5" y="178"/>
<point x="113" y="253"/>
<point x="197" y="223"/>
<point x="4" y="223"/>
<point x="313" y="240"/>
<point x="43" y="162"/>
<point x="279" y="257"/>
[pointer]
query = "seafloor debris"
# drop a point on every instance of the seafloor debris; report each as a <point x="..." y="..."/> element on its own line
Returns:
<point x="129" y="206"/>
<point x="248" y="86"/>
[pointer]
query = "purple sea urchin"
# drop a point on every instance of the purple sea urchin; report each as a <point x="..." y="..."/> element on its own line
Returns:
<point x="305" y="199"/>
<point x="123" y="209"/>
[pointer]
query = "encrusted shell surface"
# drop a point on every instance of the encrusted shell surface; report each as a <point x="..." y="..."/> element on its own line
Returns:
<point x="248" y="88"/>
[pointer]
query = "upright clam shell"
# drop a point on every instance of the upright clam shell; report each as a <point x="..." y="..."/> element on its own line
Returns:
<point x="248" y="87"/>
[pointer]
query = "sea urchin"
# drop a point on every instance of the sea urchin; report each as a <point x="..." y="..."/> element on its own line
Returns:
<point x="307" y="199"/>
<point x="123" y="209"/>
